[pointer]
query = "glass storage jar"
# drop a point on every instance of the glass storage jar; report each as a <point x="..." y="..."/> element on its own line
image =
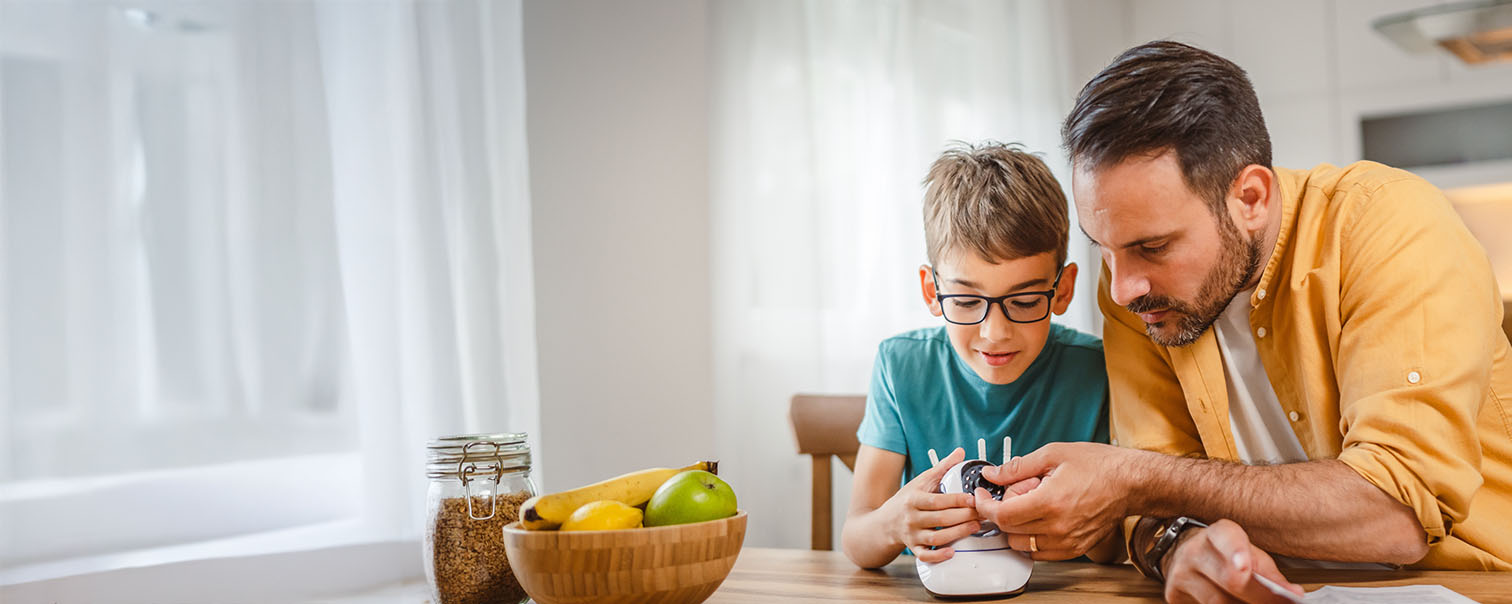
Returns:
<point x="477" y="483"/>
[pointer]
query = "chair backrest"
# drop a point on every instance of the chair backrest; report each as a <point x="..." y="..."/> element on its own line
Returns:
<point x="825" y="426"/>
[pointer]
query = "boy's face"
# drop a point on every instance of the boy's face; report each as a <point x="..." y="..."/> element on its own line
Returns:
<point x="997" y="349"/>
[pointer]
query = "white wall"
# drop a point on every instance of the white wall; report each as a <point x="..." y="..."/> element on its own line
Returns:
<point x="1316" y="65"/>
<point x="617" y="112"/>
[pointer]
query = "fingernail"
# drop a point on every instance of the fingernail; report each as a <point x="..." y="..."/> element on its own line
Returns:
<point x="1238" y="561"/>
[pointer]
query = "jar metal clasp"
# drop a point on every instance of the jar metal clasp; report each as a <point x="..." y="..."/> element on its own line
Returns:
<point x="490" y="475"/>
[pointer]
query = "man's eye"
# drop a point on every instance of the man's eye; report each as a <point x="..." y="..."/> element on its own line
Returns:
<point x="1152" y="249"/>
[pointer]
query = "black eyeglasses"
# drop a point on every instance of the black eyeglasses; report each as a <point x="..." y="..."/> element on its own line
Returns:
<point x="1022" y="307"/>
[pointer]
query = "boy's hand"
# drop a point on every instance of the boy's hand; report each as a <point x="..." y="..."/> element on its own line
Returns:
<point x="922" y="517"/>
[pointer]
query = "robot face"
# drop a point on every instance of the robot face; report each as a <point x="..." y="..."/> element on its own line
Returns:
<point x="971" y="479"/>
<point x="966" y="477"/>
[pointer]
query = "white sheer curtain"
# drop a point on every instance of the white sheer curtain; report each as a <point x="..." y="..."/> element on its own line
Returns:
<point x="254" y="254"/>
<point x="827" y="116"/>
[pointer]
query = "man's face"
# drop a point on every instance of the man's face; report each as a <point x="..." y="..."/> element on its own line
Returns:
<point x="1172" y="262"/>
<point x="997" y="349"/>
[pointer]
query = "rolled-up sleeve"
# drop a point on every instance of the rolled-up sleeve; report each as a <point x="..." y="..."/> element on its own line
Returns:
<point x="1414" y="350"/>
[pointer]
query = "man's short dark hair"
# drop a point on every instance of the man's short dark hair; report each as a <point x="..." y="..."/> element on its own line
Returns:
<point x="1166" y="95"/>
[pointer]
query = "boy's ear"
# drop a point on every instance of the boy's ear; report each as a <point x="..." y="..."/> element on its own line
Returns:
<point x="1066" y="289"/>
<point x="926" y="285"/>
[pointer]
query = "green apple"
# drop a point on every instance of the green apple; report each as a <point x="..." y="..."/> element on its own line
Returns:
<point x="691" y="496"/>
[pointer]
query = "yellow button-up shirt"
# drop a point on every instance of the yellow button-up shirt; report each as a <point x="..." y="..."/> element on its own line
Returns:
<point x="1383" y="342"/>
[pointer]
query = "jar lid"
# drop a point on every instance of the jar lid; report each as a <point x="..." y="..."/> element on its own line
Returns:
<point x="464" y="455"/>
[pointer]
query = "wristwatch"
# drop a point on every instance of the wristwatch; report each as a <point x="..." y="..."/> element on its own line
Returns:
<point x="1165" y="540"/>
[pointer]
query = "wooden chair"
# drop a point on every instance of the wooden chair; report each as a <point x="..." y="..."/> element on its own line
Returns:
<point x="825" y="426"/>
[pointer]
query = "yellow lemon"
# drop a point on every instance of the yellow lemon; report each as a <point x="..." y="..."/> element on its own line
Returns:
<point x="605" y="515"/>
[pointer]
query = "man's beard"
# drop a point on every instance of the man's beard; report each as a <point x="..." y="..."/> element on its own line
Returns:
<point x="1237" y="263"/>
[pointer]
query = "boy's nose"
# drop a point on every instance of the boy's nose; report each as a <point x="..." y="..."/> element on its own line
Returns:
<point x="996" y="326"/>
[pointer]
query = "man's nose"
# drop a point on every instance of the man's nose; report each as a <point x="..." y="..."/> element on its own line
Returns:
<point x="1127" y="286"/>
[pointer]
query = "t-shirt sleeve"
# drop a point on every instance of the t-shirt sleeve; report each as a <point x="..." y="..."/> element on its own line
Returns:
<point x="882" y="425"/>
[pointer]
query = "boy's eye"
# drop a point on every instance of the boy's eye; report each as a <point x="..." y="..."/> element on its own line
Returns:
<point x="1029" y="304"/>
<point x="965" y="303"/>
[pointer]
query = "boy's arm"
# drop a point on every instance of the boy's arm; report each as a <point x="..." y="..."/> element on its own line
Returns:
<point x="884" y="518"/>
<point x="866" y="536"/>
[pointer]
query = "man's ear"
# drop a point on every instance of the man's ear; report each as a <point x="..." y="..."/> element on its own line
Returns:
<point x="926" y="285"/>
<point x="1065" y="290"/>
<point x="1249" y="199"/>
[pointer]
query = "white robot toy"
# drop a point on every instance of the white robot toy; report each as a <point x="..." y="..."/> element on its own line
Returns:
<point x="983" y="564"/>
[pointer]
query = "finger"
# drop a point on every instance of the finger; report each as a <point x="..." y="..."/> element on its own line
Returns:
<point x="1211" y="554"/>
<point x="994" y="510"/>
<point x="942" y="501"/>
<point x="1228" y="539"/>
<point x="929" y="479"/>
<point x="1020" y="542"/>
<point x="1044" y="548"/>
<point x="1023" y="486"/>
<point x="948" y="535"/>
<point x="1265" y="565"/>
<point x="1054" y="555"/>
<point x="1038" y="463"/>
<point x="950" y="517"/>
<point x="1229" y="561"/>
<point x="985" y="505"/>
<point x="1192" y="587"/>
<point x="933" y="555"/>
<point x="1024" y="513"/>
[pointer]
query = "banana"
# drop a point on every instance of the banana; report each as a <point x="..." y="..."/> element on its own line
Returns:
<point x="544" y="512"/>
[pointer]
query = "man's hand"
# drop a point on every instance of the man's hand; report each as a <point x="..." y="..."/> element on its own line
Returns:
<point x="1219" y="564"/>
<point x="920" y="517"/>
<point x="1081" y="498"/>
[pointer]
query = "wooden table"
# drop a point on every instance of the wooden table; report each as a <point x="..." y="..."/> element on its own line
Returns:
<point x="790" y="575"/>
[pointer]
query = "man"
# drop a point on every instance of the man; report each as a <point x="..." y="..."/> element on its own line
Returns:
<point x="1303" y="365"/>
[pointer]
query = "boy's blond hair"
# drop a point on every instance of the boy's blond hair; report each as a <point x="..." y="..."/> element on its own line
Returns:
<point x="996" y="200"/>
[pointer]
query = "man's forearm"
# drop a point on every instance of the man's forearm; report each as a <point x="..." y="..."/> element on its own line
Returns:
<point x="1318" y="509"/>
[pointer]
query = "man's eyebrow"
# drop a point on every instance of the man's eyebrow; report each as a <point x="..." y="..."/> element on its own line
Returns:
<point x="1134" y="243"/>
<point x="1087" y="235"/>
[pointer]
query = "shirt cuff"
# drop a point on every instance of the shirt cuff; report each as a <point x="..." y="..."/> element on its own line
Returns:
<point x="1396" y="480"/>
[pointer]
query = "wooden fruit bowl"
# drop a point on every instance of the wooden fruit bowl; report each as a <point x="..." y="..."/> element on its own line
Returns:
<point x="678" y="563"/>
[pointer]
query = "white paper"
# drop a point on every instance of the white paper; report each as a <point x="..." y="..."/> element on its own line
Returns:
<point x="1406" y="594"/>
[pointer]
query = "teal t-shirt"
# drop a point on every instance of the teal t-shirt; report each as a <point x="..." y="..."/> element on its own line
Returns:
<point x="923" y="396"/>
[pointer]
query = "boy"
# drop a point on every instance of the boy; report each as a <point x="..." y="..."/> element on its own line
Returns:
<point x="996" y="228"/>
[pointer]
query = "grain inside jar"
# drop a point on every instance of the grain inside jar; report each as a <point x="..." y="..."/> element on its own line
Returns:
<point x="477" y="484"/>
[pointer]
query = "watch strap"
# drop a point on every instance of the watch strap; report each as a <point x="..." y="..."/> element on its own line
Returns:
<point x="1167" y="540"/>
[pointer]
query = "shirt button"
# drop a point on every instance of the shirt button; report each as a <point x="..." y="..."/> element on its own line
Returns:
<point x="1294" y="416"/>
<point x="1413" y="377"/>
<point x="1260" y="332"/>
<point x="1260" y="294"/>
<point x="1115" y="442"/>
